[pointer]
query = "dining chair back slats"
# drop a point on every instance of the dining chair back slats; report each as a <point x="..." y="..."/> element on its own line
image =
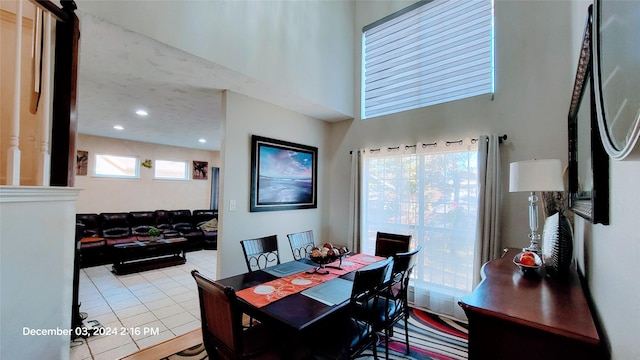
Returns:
<point x="222" y="331"/>
<point x="261" y="253"/>
<point x="393" y="305"/>
<point x="301" y="244"/>
<point x="353" y="332"/>
<point x="219" y="316"/>
<point x="363" y="304"/>
<point x="388" y="244"/>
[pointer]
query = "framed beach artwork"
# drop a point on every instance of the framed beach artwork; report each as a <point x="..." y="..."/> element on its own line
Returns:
<point x="283" y="175"/>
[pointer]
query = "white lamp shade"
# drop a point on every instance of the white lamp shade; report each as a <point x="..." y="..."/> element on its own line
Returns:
<point x="536" y="175"/>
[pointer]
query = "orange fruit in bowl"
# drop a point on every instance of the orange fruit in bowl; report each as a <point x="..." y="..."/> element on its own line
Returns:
<point x="528" y="258"/>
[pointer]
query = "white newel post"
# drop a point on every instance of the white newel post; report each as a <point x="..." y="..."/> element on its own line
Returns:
<point x="13" y="153"/>
<point x="44" y="165"/>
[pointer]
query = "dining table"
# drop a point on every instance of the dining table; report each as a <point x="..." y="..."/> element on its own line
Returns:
<point x="295" y="295"/>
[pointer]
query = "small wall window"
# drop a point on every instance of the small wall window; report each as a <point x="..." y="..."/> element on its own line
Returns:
<point x="173" y="170"/>
<point x="117" y="166"/>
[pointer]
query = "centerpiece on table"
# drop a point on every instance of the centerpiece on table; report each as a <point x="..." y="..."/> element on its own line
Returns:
<point x="325" y="255"/>
<point x="154" y="233"/>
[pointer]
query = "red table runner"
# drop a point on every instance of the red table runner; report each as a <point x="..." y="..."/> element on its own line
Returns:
<point x="271" y="291"/>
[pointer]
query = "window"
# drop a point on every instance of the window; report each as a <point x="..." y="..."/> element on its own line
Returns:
<point x="167" y="169"/>
<point x="434" y="197"/>
<point x="428" y="53"/>
<point x="116" y="166"/>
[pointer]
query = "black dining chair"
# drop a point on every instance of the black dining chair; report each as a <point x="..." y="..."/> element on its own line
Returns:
<point x="223" y="335"/>
<point x="392" y="305"/>
<point x="357" y="333"/>
<point x="261" y="252"/>
<point x="301" y="244"/>
<point x="388" y="244"/>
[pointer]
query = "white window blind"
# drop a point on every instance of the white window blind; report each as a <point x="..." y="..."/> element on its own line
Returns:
<point x="429" y="53"/>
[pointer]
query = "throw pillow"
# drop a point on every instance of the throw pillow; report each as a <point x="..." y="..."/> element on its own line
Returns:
<point x="211" y="225"/>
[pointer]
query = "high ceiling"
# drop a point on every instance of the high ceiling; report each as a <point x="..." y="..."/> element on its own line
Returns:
<point x="121" y="71"/>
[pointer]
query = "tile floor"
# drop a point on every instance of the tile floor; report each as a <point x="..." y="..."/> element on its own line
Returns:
<point x="156" y="305"/>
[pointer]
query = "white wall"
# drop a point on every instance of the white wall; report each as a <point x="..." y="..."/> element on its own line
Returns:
<point x="145" y="193"/>
<point x="534" y="78"/>
<point x="36" y="270"/>
<point x="245" y="117"/>
<point x="607" y="255"/>
<point x="299" y="50"/>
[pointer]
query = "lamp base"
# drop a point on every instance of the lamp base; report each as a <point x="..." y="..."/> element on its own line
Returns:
<point x="534" y="245"/>
<point x="536" y="249"/>
<point x="534" y="237"/>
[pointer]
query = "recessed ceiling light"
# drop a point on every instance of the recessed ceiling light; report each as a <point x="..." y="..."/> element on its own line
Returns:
<point x="202" y="141"/>
<point x="142" y="112"/>
<point x="118" y="127"/>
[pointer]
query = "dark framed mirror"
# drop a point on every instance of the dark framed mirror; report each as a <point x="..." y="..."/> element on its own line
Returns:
<point x="588" y="160"/>
<point x="616" y="74"/>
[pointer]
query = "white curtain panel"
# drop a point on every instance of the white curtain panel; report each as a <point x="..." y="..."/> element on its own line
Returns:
<point x="448" y="239"/>
<point x="489" y="203"/>
<point x="428" y="190"/>
<point x="355" y="189"/>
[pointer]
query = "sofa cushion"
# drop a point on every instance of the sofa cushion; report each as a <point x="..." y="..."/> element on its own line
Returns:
<point x="91" y="224"/>
<point x="162" y="219"/>
<point x="116" y="232"/>
<point x="141" y="221"/>
<point x="92" y="242"/>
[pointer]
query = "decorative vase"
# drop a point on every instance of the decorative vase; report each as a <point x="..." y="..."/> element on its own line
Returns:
<point x="557" y="246"/>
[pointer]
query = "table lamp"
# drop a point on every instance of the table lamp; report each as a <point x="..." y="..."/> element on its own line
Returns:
<point x="532" y="176"/>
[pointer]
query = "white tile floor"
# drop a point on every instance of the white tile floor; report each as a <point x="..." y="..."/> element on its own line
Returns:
<point x="153" y="305"/>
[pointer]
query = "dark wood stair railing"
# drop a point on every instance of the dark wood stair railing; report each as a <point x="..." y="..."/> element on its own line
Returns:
<point x="65" y="116"/>
<point x="64" y="120"/>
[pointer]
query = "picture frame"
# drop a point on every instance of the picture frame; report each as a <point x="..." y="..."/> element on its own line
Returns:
<point x="588" y="160"/>
<point x="82" y="162"/>
<point x="616" y="77"/>
<point x="283" y="175"/>
<point x="200" y="170"/>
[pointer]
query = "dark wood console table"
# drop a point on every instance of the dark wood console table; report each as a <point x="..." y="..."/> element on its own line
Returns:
<point x="147" y="255"/>
<point x="513" y="316"/>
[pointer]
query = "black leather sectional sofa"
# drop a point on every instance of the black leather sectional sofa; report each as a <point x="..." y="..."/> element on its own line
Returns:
<point x="102" y="231"/>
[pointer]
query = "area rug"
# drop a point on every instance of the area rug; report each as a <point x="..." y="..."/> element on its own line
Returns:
<point x="430" y="337"/>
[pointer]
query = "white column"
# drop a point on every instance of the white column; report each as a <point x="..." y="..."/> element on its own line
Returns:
<point x="44" y="164"/>
<point x="13" y="153"/>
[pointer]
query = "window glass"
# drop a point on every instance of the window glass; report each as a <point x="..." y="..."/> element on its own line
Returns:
<point x="116" y="166"/>
<point x="167" y="169"/>
<point x="433" y="197"/>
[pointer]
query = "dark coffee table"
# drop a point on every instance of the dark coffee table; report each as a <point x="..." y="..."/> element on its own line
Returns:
<point x="146" y="255"/>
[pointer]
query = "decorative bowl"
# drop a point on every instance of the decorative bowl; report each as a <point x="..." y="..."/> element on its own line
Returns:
<point x="325" y="255"/>
<point x="321" y="260"/>
<point x="528" y="268"/>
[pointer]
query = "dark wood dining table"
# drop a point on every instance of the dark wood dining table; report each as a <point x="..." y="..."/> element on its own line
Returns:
<point x="294" y="313"/>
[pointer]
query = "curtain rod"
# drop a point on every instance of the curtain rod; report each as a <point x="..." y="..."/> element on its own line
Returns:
<point x="473" y="141"/>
